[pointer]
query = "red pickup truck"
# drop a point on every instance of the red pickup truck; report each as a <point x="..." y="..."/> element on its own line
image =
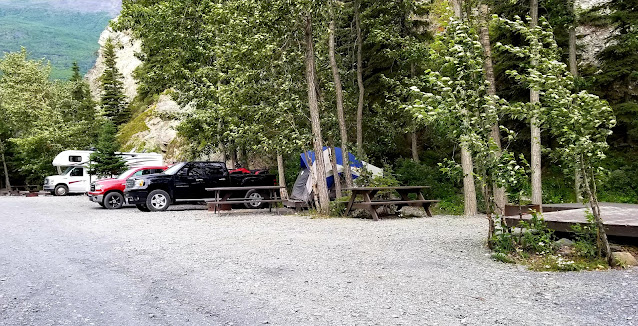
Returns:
<point x="109" y="193"/>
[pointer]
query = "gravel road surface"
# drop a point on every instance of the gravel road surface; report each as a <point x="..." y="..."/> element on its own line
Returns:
<point x="65" y="261"/>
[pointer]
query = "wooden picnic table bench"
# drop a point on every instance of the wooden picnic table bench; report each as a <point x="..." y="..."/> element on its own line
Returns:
<point x="371" y="204"/>
<point x="226" y="200"/>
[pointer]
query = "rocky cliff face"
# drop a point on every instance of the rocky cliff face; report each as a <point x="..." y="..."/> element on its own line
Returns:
<point x="154" y="128"/>
<point x="125" y="48"/>
<point x="591" y="39"/>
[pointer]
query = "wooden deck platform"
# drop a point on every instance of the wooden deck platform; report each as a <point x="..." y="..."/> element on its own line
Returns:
<point x="619" y="219"/>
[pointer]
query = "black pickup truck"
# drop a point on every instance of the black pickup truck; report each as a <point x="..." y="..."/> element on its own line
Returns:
<point x="187" y="182"/>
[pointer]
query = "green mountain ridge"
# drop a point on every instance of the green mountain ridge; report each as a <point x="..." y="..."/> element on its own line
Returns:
<point x="57" y="36"/>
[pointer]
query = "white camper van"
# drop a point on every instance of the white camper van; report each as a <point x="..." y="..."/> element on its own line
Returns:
<point x="73" y="174"/>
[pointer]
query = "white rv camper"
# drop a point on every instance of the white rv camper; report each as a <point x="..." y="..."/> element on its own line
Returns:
<point x="73" y="174"/>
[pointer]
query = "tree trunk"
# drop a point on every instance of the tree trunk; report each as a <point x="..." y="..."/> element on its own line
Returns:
<point x="457" y="7"/>
<point x="573" y="63"/>
<point x="357" y="21"/>
<point x="595" y="209"/>
<point x="335" y="171"/>
<point x="282" y="176"/>
<point x="6" y="171"/>
<point x="313" y="104"/>
<point x="413" y="135"/>
<point x="415" y="147"/>
<point x="313" y="177"/>
<point x="500" y="198"/>
<point x="535" y="128"/>
<point x="469" y="191"/>
<point x="573" y="69"/>
<point x="537" y="191"/>
<point x="233" y="158"/>
<point x="340" y="110"/>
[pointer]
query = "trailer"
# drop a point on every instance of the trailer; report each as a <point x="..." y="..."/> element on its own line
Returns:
<point x="72" y="167"/>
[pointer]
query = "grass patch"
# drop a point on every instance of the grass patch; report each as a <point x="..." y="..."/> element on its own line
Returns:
<point x="557" y="263"/>
<point x="136" y="125"/>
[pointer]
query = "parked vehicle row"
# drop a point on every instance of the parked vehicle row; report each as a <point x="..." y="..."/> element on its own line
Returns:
<point x="187" y="182"/>
<point x="76" y="177"/>
<point x="150" y="185"/>
<point x="109" y="193"/>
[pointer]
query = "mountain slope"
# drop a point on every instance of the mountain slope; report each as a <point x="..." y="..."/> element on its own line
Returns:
<point x="51" y="31"/>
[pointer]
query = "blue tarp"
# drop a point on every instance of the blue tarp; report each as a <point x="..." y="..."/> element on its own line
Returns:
<point x="339" y="156"/>
<point x="311" y="155"/>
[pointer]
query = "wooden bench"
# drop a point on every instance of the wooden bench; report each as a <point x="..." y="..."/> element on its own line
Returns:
<point x="370" y="204"/>
<point x="225" y="202"/>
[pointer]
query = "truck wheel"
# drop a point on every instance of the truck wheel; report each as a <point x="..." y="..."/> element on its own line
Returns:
<point x="158" y="200"/>
<point x="113" y="200"/>
<point x="142" y="207"/>
<point x="61" y="190"/>
<point x="256" y="199"/>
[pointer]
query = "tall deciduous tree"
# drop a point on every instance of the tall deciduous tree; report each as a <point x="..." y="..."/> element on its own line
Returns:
<point x="359" y="43"/>
<point x="313" y="104"/>
<point x="469" y="189"/>
<point x="500" y="198"/>
<point x="336" y="76"/>
<point x="39" y="117"/>
<point x="535" y="123"/>
<point x="459" y="102"/>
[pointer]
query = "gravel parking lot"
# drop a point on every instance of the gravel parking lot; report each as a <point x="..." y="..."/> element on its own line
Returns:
<point x="65" y="261"/>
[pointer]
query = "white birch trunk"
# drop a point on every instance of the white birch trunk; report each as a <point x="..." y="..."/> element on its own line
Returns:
<point x="282" y="176"/>
<point x="469" y="191"/>
<point x="313" y="104"/>
<point x="359" y="80"/>
<point x="535" y="130"/>
<point x="340" y="110"/>
<point x="415" y="147"/>
<point x="500" y="197"/>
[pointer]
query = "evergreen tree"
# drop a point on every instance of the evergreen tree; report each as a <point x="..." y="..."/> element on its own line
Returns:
<point x="76" y="72"/>
<point x="104" y="161"/>
<point x="113" y="100"/>
<point x="83" y="106"/>
<point x="617" y="77"/>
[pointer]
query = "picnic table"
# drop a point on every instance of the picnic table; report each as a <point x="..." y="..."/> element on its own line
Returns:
<point x="371" y="204"/>
<point x="226" y="200"/>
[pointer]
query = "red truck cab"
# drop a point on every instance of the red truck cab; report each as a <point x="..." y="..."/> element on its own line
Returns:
<point x="109" y="193"/>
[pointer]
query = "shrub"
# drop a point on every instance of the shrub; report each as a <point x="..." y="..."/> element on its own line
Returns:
<point x="586" y="238"/>
<point x="538" y="238"/>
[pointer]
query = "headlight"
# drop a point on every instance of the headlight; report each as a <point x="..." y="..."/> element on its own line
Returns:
<point x="139" y="183"/>
<point x="98" y="187"/>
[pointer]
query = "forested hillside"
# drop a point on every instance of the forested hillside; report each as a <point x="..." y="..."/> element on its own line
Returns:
<point x="445" y="93"/>
<point x="59" y="31"/>
<point x="244" y="66"/>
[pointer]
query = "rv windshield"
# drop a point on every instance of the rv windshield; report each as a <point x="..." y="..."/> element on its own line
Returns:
<point x="173" y="169"/>
<point x="68" y="170"/>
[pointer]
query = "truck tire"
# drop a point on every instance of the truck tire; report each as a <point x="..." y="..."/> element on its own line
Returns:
<point x="142" y="207"/>
<point x="256" y="197"/>
<point x="61" y="190"/>
<point x="113" y="200"/>
<point x="158" y="200"/>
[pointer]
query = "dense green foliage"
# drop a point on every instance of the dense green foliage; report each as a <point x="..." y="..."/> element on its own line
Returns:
<point x="240" y="63"/>
<point x="617" y="77"/>
<point x="40" y="118"/>
<point x="104" y="162"/>
<point x="60" y="36"/>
